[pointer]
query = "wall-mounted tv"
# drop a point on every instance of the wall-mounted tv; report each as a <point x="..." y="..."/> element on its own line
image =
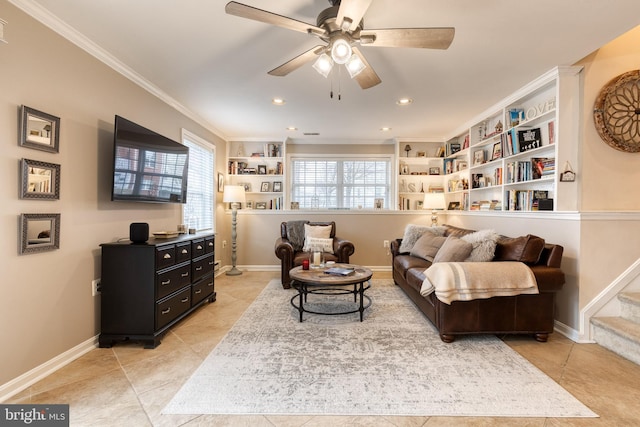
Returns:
<point x="147" y="167"/>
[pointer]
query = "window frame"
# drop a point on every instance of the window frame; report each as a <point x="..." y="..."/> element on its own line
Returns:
<point x="209" y="146"/>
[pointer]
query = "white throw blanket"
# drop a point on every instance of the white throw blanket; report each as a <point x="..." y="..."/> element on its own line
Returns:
<point x="465" y="281"/>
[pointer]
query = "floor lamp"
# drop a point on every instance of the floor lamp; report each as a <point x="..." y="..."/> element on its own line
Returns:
<point x="233" y="194"/>
<point x="434" y="202"/>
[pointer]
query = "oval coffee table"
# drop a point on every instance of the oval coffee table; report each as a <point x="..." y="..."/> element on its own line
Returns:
<point x="318" y="282"/>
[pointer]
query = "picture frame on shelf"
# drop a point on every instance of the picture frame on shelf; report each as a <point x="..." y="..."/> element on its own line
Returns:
<point x="277" y="186"/>
<point x="39" y="180"/>
<point x="421" y="154"/>
<point x="246" y="185"/>
<point x="39" y="130"/>
<point x="295" y="206"/>
<point x="249" y="204"/>
<point x="419" y="205"/>
<point x="461" y="165"/>
<point x="261" y="205"/>
<point x="378" y="203"/>
<point x="262" y="169"/>
<point x="497" y="151"/>
<point x="434" y="171"/>
<point x="453" y="206"/>
<point x="265" y="187"/>
<point x="478" y="157"/>
<point x="271" y="171"/>
<point x="221" y="183"/>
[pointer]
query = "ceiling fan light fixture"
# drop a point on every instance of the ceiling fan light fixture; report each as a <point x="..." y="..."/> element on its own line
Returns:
<point x="355" y="66"/>
<point x="323" y="65"/>
<point x="340" y="50"/>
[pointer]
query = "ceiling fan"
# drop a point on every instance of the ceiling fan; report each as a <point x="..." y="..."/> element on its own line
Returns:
<point x="341" y="27"/>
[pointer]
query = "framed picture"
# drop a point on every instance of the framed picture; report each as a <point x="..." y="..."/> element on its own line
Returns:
<point x="39" y="232"/>
<point x="421" y="154"/>
<point x="261" y="205"/>
<point x="262" y="169"/>
<point x="419" y="204"/>
<point x="39" y="130"/>
<point x="249" y="204"/>
<point x="265" y="187"/>
<point x="461" y="165"/>
<point x="434" y="171"/>
<point x="295" y="206"/>
<point x="277" y="186"/>
<point x="453" y="206"/>
<point x="378" y="203"/>
<point x="478" y="157"/>
<point x="271" y="171"/>
<point x="39" y="180"/>
<point x="497" y="151"/>
<point x="220" y="182"/>
<point x="246" y="185"/>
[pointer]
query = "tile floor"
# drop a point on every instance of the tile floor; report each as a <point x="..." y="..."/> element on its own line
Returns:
<point x="129" y="386"/>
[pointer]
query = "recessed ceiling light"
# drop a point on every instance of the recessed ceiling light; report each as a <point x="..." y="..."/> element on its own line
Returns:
<point x="404" y="101"/>
<point x="385" y="129"/>
<point x="278" y="101"/>
<point x="292" y="128"/>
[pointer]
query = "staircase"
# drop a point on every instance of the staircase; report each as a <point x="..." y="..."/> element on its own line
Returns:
<point x="621" y="334"/>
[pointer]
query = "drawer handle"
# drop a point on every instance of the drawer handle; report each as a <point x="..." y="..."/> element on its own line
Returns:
<point x="166" y="283"/>
<point x="186" y="299"/>
<point x="166" y="311"/>
<point x="199" y="268"/>
<point x="185" y="274"/>
<point x="199" y="291"/>
<point x="184" y="251"/>
<point x="199" y="247"/>
<point x="210" y="243"/>
<point x="167" y="256"/>
<point x="210" y="284"/>
<point x="211" y="263"/>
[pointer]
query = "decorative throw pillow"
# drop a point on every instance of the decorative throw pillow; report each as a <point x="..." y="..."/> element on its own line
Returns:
<point x="316" y="242"/>
<point x="484" y="245"/>
<point x="525" y="249"/>
<point x="453" y="250"/>
<point x="413" y="232"/>
<point x="427" y="246"/>
<point x="319" y="231"/>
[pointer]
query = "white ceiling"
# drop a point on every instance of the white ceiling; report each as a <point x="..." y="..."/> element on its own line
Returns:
<point x="216" y="64"/>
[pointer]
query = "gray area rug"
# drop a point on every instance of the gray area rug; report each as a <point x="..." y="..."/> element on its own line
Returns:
<point x="393" y="363"/>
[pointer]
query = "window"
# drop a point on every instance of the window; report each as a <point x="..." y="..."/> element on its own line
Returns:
<point x="340" y="183"/>
<point x="199" y="210"/>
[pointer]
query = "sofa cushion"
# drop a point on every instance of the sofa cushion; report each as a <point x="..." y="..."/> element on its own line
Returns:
<point x="318" y="231"/>
<point x="453" y="250"/>
<point x="404" y="263"/>
<point x="484" y="245"/>
<point x="427" y="246"/>
<point x="451" y="230"/>
<point x="525" y="249"/>
<point x="413" y="232"/>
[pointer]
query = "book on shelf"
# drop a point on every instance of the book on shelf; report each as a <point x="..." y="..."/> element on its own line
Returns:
<point x="552" y="132"/>
<point x="339" y="271"/>
<point x="453" y="148"/>
<point x="528" y="139"/>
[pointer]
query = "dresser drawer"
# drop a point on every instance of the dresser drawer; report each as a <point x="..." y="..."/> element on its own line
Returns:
<point x="165" y="256"/>
<point x="201" y="267"/>
<point x="197" y="248"/>
<point x="169" y="281"/>
<point x="170" y="308"/>
<point x="209" y="244"/>
<point x="201" y="290"/>
<point x="183" y="252"/>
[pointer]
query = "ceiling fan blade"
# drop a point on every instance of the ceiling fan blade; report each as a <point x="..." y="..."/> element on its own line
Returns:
<point x="249" y="12"/>
<point x="368" y="77"/>
<point x="297" y="62"/>
<point x="428" y="38"/>
<point x="354" y="10"/>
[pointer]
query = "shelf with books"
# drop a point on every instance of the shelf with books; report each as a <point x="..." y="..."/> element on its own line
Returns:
<point x="420" y="169"/>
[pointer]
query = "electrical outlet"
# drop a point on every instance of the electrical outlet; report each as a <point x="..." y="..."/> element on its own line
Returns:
<point x="95" y="287"/>
<point x="224" y="244"/>
<point x="385" y="244"/>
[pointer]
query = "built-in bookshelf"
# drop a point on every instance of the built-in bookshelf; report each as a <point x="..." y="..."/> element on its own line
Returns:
<point x="508" y="158"/>
<point x="260" y="167"/>
<point x="420" y="170"/>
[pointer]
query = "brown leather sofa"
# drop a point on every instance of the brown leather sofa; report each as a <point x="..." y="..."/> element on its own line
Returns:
<point x="291" y="255"/>
<point x="521" y="314"/>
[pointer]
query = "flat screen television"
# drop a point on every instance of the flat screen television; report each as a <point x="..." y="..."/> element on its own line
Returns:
<point x="147" y="167"/>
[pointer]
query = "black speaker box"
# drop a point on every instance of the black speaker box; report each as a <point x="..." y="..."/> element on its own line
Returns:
<point x="139" y="232"/>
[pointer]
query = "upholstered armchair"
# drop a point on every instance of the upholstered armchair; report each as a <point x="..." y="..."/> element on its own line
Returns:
<point x="289" y="246"/>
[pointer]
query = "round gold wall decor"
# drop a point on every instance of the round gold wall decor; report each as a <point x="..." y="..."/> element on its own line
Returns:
<point x="617" y="112"/>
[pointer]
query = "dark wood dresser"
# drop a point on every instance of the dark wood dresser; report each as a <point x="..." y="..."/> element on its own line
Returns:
<point x="148" y="287"/>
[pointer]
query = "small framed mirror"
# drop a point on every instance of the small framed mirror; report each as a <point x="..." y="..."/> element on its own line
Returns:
<point x="39" y="180"/>
<point x="39" y="130"/>
<point x="39" y="233"/>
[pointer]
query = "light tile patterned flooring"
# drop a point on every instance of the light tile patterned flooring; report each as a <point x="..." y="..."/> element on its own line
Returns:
<point x="129" y="386"/>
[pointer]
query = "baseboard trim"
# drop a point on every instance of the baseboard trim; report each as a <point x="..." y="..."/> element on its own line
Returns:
<point x="27" y="379"/>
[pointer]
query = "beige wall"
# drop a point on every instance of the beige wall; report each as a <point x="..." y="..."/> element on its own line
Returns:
<point x="46" y="304"/>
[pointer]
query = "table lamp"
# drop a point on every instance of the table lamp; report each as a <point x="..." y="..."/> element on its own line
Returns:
<point x="233" y="194"/>
<point x="434" y="202"/>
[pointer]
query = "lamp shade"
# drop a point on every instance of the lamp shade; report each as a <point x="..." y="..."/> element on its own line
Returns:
<point x="433" y="201"/>
<point x="233" y="194"/>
